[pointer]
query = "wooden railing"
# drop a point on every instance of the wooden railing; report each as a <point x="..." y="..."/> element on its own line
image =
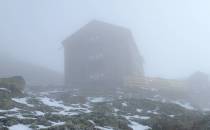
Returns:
<point x="160" y="83"/>
<point x="136" y="81"/>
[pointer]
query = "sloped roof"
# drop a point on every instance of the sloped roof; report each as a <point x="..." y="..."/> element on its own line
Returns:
<point x="97" y="24"/>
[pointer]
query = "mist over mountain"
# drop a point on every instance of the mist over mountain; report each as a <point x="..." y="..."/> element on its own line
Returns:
<point x="104" y="65"/>
<point x="33" y="74"/>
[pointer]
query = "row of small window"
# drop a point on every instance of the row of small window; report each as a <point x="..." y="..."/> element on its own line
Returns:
<point x="94" y="38"/>
<point x="96" y="76"/>
<point x="96" y="57"/>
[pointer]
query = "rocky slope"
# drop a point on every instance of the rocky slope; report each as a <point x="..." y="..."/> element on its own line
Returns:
<point x="71" y="110"/>
<point x="101" y="113"/>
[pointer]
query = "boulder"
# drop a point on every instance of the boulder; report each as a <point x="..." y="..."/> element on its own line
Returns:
<point x="5" y="99"/>
<point x="14" y="85"/>
<point x="9" y="88"/>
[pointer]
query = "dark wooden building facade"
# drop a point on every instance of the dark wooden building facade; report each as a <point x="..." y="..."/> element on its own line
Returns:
<point x="100" y="55"/>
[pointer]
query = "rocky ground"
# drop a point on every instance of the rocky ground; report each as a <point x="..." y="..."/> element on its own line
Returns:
<point x="45" y="112"/>
<point x="69" y="110"/>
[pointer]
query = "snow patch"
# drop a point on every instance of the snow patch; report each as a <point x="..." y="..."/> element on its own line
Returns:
<point x="116" y="110"/>
<point x="172" y="116"/>
<point x="67" y="110"/>
<point x="57" y="123"/>
<point x="139" y="110"/>
<point x="124" y="104"/>
<point x="22" y="101"/>
<point x="137" y="126"/>
<point x="52" y="102"/>
<point x="103" y="128"/>
<point x="185" y="105"/>
<point x="10" y="110"/>
<point x="39" y="113"/>
<point x="137" y="117"/>
<point x="2" y="117"/>
<point x="91" y="121"/>
<point x="42" y="127"/>
<point x="97" y="99"/>
<point x="5" y="89"/>
<point x="153" y="112"/>
<point x="19" y="127"/>
<point x="66" y="113"/>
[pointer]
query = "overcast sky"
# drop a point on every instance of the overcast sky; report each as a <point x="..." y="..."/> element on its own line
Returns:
<point x="172" y="35"/>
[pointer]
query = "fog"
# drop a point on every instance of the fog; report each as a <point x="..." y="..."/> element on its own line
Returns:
<point x="172" y="36"/>
<point x="104" y="64"/>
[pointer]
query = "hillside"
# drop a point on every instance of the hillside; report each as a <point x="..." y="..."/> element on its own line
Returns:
<point x="33" y="74"/>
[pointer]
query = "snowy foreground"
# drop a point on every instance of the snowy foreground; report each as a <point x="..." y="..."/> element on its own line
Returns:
<point x="55" y="111"/>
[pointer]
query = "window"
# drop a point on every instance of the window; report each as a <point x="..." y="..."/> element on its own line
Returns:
<point x="96" y="57"/>
<point x="96" y="76"/>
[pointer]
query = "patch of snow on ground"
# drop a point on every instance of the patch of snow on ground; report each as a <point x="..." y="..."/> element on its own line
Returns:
<point x="153" y="112"/>
<point x="124" y="104"/>
<point x="19" y="127"/>
<point x="144" y="117"/>
<point x="137" y="117"/>
<point x="3" y="111"/>
<point x="67" y="110"/>
<point x="97" y="99"/>
<point x="103" y="128"/>
<point x="91" y="121"/>
<point x="53" y="124"/>
<point x="149" y="111"/>
<point x="39" y="113"/>
<point x="66" y="113"/>
<point x="19" y="116"/>
<point x="10" y="110"/>
<point x="139" y="110"/>
<point x="137" y="126"/>
<point x="116" y="110"/>
<point x="5" y="89"/>
<point x="2" y="117"/>
<point x="185" y="105"/>
<point x="57" y="123"/>
<point x="42" y="127"/>
<point x="52" y="102"/>
<point x="14" y="109"/>
<point x="172" y="116"/>
<point x="22" y="101"/>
